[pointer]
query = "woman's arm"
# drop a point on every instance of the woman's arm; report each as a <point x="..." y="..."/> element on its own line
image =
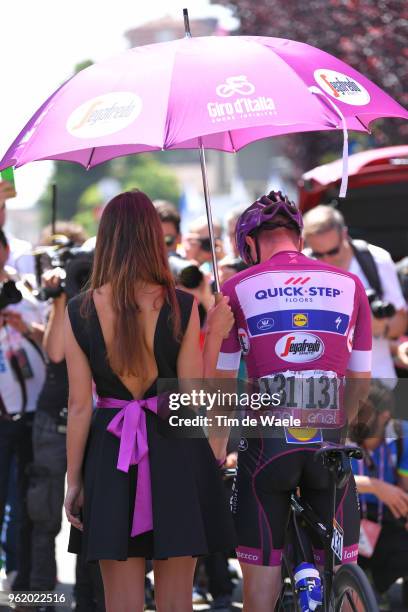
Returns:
<point x="219" y="322"/>
<point x="391" y="495"/>
<point x="190" y="358"/>
<point x="79" y="419"/>
<point x="53" y="342"/>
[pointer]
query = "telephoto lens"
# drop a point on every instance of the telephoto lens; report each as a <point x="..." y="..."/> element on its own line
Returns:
<point x="185" y="273"/>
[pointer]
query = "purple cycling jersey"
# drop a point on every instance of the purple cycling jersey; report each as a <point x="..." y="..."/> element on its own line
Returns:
<point x="292" y="312"/>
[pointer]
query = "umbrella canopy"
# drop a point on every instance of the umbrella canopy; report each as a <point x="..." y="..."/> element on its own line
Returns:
<point x="212" y="92"/>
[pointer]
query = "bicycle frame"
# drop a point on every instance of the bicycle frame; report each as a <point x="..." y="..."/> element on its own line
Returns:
<point x="339" y="471"/>
<point x="301" y="508"/>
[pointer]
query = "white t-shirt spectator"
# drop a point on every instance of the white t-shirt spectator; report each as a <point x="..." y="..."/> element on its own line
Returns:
<point x="21" y="257"/>
<point x="382" y="364"/>
<point x="12" y="340"/>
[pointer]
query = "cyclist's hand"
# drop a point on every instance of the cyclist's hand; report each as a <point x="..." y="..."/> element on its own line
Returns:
<point x="220" y="318"/>
<point x="394" y="497"/>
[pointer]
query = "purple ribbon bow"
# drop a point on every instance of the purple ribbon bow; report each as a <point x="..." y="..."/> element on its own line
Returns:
<point x="129" y="425"/>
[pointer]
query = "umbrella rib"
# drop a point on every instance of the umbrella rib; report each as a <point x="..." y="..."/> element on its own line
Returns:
<point x="88" y="165"/>
<point x="232" y="144"/>
<point x="364" y="126"/>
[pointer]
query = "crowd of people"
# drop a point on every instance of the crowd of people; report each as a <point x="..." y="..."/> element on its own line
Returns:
<point x="118" y="341"/>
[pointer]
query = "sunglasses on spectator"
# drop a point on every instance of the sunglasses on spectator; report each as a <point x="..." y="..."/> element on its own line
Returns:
<point x="205" y="244"/>
<point x="331" y="253"/>
<point x="170" y="240"/>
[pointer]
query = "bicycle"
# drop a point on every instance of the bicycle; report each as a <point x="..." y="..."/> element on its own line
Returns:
<point x="349" y="583"/>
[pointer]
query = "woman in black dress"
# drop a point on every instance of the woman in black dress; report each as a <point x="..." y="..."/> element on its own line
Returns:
<point x="134" y="490"/>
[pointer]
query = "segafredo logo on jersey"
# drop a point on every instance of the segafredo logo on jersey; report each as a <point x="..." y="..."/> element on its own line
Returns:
<point x="240" y="107"/>
<point x="104" y="115"/>
<point x="342" y="87"/>
<point x="299" y="347"/>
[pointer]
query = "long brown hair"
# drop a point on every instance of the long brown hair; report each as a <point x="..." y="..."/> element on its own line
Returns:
<point x="130" y="250"/>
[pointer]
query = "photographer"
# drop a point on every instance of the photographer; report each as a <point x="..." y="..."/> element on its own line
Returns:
<point x="327" y="238"/>
<point x="186" y="272"/>
<point x="197" y="245"/>
<point x="22" y="375"/>
<point x="382" y="482"/>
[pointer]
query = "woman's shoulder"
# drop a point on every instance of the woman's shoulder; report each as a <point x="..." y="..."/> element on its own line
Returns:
<point x="80" y="305"/>
<point x="184" y="299"/>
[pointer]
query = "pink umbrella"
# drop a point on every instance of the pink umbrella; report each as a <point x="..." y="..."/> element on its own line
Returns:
<point x="209" y="92"/>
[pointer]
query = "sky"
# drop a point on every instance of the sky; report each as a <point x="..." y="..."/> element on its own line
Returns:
<point x="42" y="41"/>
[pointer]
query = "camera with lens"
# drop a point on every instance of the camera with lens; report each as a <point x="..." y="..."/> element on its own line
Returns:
<point x="379" y="308"/>
<point x="74" y="260"/>
<point x="184" y="272"/>
<point x="9" y="294"/>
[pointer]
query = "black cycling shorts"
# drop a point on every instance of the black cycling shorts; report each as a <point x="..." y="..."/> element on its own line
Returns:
<point x="269" y="469"/>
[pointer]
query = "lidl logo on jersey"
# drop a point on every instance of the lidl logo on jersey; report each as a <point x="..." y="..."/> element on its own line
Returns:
<point x="300" y="319"/>
<point x="299" y="347"/>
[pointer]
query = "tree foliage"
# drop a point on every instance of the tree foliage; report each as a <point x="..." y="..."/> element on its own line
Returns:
<point x="370" y="35"/>
<point x="143" y="172"/>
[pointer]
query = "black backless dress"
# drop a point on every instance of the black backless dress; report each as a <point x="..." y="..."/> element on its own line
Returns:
<point x="189" y="507"/>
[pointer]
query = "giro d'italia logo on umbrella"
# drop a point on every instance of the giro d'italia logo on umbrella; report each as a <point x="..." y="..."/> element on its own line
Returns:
<point x="342" y="87"/>
<point x="104" y="115"/>
<point x="239" y="102"/>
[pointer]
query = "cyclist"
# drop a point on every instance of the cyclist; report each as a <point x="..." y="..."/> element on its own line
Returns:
<point x="302" y="326"/>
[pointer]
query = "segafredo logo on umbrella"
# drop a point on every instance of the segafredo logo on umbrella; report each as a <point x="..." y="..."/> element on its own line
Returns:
<point x="342" y="87"/>
<point x="239" y="107"/>
<point x="104" y="115"/>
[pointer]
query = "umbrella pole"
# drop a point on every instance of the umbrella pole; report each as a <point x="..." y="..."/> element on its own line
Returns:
<point x="205" y="184"/>
<point x="209" y="214"/>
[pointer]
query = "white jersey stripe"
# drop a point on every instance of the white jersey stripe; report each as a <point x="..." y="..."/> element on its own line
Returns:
<point x="360" y="361"/>
<point x="229" y="361"/>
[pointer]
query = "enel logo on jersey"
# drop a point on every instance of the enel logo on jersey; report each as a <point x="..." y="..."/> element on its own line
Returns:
<point x="299" y="348"/>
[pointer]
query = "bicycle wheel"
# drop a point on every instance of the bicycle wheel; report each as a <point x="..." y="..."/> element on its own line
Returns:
<point x="352" y="591"/>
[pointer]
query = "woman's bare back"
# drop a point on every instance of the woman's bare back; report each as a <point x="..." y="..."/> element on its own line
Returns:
<point x="150" y="300"/>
